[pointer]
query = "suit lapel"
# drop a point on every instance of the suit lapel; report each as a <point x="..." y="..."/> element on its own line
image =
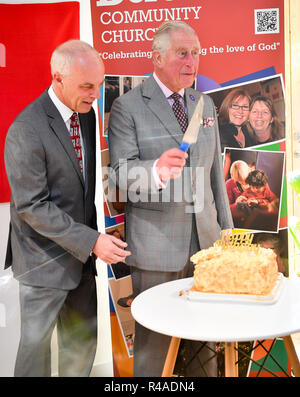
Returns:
<point x="191" y="101"/>
<point x="160" y="107"/>
<point x="60" y="130"/>
<point x="84" y="127"/>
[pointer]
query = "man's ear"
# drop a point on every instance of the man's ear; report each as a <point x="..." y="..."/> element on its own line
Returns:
<point x="57" y="78"/>
<point x="157" y="58"/>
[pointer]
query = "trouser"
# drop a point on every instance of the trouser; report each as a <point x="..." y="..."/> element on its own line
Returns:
<point x="75" y="314"/>
<point x="150" y="348"/>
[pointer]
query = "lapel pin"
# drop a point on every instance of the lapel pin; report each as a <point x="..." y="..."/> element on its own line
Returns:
<point x="192" y="97"/>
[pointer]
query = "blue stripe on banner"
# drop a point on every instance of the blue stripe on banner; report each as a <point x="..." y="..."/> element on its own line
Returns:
<point x="100" y="102"/>
<point x="111" y="304"/>
<point x="109" y="272"/>
<point x="252" y="76"/>
<point x="110" y="221"/>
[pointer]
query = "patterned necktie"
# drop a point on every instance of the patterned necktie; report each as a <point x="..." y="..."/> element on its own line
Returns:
<point x="75" y="136"/>
<point x="179" y="111"/>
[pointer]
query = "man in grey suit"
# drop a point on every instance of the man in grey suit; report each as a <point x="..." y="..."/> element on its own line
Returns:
<point x="53" y="239"/>
<point x="144" y="136"/>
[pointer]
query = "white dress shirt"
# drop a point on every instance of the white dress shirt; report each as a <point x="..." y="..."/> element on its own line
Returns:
<point x="167" y="92"/>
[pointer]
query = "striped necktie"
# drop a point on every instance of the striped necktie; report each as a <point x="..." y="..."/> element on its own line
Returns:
<point x="75" y="136"/>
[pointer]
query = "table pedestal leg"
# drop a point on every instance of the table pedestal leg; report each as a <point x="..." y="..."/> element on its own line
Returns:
<point x="171" y="357"/>
<point x="292" y="355"/>
<point x="231" y="357"/>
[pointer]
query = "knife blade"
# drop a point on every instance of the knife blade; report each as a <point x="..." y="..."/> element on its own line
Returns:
<point x="191" y="133"/>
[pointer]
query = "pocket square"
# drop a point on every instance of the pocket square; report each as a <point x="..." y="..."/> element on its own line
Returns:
<point x="208" y="122"/>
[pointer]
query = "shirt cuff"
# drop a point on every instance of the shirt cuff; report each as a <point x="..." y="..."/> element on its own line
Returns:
<point x="158" y="183"/>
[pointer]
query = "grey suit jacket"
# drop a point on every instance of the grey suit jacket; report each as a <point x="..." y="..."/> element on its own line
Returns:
<point x="53" y="217"/>
<point x="158" y="223"/>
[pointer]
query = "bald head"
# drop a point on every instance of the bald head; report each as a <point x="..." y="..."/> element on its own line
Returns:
<point x="66" y="53"/>
<point x="78" y="73"/>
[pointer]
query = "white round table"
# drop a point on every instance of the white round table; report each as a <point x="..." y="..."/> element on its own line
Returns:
<point x="207" y="318"/>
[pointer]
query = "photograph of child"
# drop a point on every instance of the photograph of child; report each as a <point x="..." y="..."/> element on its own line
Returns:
<point x="254" y="187"/>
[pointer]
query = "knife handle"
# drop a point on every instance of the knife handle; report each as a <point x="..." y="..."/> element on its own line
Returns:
<point x="184" y="146"/>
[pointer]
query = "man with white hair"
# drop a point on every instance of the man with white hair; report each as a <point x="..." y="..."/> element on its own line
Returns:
<point x="50" y="163"/>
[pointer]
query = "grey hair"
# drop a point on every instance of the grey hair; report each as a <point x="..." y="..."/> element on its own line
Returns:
<point x="161" y="39"/>
<point x="64" y="55"/>
<point x="239" y="170"/>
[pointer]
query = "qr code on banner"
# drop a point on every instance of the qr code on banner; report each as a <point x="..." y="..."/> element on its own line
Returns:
<point x="266" y="21"/>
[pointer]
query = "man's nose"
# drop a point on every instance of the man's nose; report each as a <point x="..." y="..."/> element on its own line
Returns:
<point x="96" y="93"/>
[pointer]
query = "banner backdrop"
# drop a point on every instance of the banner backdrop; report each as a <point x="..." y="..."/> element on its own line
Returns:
<point x="28" y="35"/>
<point x="242" y="46"/>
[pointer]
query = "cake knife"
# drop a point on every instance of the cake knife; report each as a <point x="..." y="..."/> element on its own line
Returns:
<point x="191" y="133"/>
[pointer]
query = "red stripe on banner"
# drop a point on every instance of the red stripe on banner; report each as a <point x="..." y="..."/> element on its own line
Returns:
<point x="283" y="222"/>
<point x="28" y="35"/>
